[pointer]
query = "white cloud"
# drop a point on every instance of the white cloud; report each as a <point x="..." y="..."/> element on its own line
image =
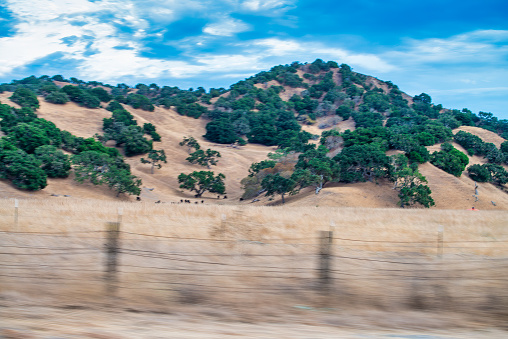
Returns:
<point x="226" y="27"/>
<point x="296" y="50"/>
<point x="477" y="46"/>
<point x="279" y="47"/>
<point x="266" y="5"/>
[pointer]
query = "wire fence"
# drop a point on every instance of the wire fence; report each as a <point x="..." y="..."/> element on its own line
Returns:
<point x="325" y="269"/>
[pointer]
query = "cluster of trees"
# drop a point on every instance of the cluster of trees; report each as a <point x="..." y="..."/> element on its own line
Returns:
<point x="201" y="181"/>
<point x="284" y="174"/>
<point x="123" y="128"/>
<point x="31" y="151"/>
<point x="476" y="146"/>
<point x="450" y="160"/>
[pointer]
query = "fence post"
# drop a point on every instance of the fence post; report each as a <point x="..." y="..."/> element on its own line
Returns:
<point x="440" y="230"/>
<point x="113" y="232"/>
<point x="325" y="242"/>
<point x="223" y="227"/>
<point x="16" y="206"/>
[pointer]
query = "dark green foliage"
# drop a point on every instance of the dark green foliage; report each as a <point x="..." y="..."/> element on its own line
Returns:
<point x="202" y="181"/>
<point x="493" y="154"/>
<point x="21" y="168"/>
<point x="154" y="158"/>
<point x="190" y="142"/>
<point x="204" y="158"/>
<point x="362" y="162"/>
<point x="426" y="139"/>
<point x="25" y="98"/>
<point x="488" y="173"/>
<point x="114" y="105"/>
<point x="315" y="168"/>
<point x="100" y="168"/>
<point x="278" y="184"/>
<point x="504" y="147"/>
<point x="290" y="79"/>
<point x="416" y="193"/>
<point x="55" y="163"/>
<point x="57" y="97"/>
<point x="81" y="96"/>
<point x="10" y="116"/>
<point x="450" y="160"/>
<point x="418" y="154"/>
<point x="121" y="180"/>
<point x="361" y="136"/>
<point x="133" y="141"/>
<point x="422" y="104"/>
<point x="245" y="103"/>
<point x="28" y="137"/>
<point x="192" y="110"/>
<point x="149" y="128"/>
<point x="220" y="131"/>
<point x="368" y="119"/>
<point x="344" y="111"/>
<point x="101" y="94"/>
<point x="472" y="143"/>
<point x="293" y="140"/>
<point x="479" y="173"/>
<point x="78" y="145"/>
<point x="377" y="101"/>
<point x="139" y="101"/>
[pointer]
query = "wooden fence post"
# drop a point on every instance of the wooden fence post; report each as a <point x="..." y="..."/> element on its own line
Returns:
<point x="113" y="233"/>
<point x="16" y="222"/>
<point x="325" y="242"/>
<point x="440" y="230"/>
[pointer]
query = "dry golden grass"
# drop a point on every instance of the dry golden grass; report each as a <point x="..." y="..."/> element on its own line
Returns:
<point x="254" y="259"/>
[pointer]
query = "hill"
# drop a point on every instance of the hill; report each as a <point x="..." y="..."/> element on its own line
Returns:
<point x="322" y="97"/>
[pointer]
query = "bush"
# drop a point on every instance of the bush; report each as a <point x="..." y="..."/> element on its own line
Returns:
<point x="25" y="98"/>
<point x="59" y="98"/>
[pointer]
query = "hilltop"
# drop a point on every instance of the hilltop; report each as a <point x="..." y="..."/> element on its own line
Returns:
<point x="285" y="108"/>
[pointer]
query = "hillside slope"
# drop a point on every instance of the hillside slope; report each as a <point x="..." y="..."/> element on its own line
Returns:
<point x="449" y="192"/>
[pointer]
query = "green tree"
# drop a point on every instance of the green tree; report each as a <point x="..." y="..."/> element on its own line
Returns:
<point x="57" y="97"/>
<point x="23" y="169"/>
<point x="278" y="184"/>
<point x="28" y="137"/>
<point x="221" y="131"/>
<point x="101" y="94"/>
<point x="315" y="168"/>
<point x="488" y="173"/>
<point x="134" y="141"/>
<point x="120" y="180"/>
<point x="25" y="98"/>
<point x="202" y="181"/>
<point x="411" y="185"/>
<point x="362" y="162"/>
<point x="154" y="158"/>
<point x="204" y="158"/>
<point x="100" y="168"/>
<point x="450" y="160"/>
<point x="190" y="142"/>
<point x="55" y="163"/>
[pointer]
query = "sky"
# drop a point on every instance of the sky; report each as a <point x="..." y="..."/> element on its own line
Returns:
<point x="455" y="51"/>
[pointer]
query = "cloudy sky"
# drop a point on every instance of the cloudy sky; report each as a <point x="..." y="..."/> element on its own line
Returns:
<point x="456" y="51"/>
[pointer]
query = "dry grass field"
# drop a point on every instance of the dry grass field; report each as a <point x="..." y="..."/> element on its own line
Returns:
<point x="257" y="264"/>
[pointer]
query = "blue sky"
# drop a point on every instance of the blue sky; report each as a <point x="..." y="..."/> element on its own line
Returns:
<point x="456" y="51"/>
